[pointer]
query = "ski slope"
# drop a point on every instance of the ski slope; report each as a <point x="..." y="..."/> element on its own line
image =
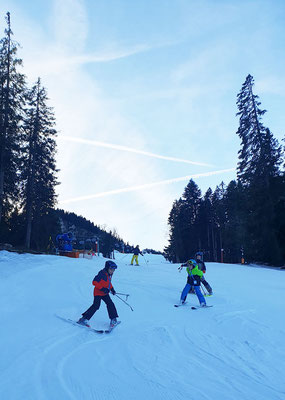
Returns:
<point x="232" y="351"/>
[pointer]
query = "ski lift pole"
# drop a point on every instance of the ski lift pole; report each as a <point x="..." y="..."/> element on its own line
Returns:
<point x="124" y="302"/>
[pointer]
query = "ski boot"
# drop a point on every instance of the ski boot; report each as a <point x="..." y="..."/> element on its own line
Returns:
<point x="113" y="322"/>
<point x="83" y="321"/>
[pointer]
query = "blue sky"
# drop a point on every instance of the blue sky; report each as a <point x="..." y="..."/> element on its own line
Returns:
<point x="144" y="94"/>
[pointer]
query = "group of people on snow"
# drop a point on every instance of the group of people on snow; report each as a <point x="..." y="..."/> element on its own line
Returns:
<point x="195" y="269"/>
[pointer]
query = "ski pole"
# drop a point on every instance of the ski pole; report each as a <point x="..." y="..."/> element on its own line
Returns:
<point x="145" y="261"/>
<point x="124" y="302"/>
<point x="123" y="294"/>
<point x="204" y="293"/>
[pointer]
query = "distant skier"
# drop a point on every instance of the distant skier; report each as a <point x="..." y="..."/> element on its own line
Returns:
<point x="202" y="267"/>
<point x="136" y="254"/>
<point x="103" y="287"/>
<point x="193" y="280"/>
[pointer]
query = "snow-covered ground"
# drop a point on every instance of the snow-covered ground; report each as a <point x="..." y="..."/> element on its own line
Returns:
<point x="232" y="351"/>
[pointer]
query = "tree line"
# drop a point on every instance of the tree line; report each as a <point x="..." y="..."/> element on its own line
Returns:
<point x="244" y="220"/>
<point x="83" y="229"/>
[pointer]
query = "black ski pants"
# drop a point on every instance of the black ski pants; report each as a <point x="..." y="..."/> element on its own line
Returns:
<point x="96" y="305"/>
<point x="207" y="285"/>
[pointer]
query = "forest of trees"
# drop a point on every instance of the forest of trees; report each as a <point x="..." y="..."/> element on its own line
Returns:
<point x="246" y="218"/>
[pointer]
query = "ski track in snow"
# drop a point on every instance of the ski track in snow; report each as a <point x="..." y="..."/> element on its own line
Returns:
<point x="233" y="351"/>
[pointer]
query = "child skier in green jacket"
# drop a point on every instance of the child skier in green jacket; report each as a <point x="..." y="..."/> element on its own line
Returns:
<point x="193" y="280"/>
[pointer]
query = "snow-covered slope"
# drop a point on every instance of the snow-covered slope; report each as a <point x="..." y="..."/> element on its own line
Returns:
<point x="232" y="351"/>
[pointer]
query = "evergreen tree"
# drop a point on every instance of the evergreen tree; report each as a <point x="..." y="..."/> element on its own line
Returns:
<point x="260" y="159"/>
<point x="191" y="205"/>
<point x="175" y="249"/>
<point x="260" y="154"/>
<point x="38" y="173"/>
<point x="251" y="131"/>
<point x="12" y="89"/>
<point x="183" y="222"/>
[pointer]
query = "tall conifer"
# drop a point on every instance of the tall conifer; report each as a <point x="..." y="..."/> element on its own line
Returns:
<point x="260" y="159"/>
<point x="12" y="89"/>
<point x="39" y="169"/>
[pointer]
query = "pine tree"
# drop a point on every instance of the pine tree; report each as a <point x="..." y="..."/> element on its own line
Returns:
<point x="183" y="221"/>
<point x="191" y="205"/>
<point x="38" y="163"/>
<point x="260" y="159"/>
<point x="12" y="89"/>
<point x="260" y="155"/>
<point x="175" y="250"/>
<point x="251" y="131"/>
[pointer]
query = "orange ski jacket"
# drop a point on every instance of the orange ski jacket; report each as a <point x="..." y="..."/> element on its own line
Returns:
<point x="102" y="283"/>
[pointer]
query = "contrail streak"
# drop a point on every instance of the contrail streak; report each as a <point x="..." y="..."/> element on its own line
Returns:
<point x="129" y="149"/>
<point x="145" y="186"/>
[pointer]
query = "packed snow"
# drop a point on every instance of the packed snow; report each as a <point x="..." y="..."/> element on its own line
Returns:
<point x="232" y="351"/>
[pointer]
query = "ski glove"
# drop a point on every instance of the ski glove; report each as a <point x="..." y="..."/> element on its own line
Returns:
<point x="113" y="291"/>
<point x="105" y="290"/>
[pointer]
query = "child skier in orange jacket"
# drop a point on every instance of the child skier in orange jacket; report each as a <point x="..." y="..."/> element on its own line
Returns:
<point x="103" y="286"/>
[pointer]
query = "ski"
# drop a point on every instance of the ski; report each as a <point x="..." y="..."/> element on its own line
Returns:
<point x="71" y="321"/>
<point x="112" y="327"/>
<point x="205" y="295"/>
<point x="180" y="305"/>
<point x="197" y="307"/>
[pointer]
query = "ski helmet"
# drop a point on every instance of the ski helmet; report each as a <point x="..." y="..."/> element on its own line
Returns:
<point x="199" y="254"/>
<point x="110" y="264"/>
<point x="191" y="262"/>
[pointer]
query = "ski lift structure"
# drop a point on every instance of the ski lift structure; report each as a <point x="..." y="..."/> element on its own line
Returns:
<point x="70" y="246"/>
